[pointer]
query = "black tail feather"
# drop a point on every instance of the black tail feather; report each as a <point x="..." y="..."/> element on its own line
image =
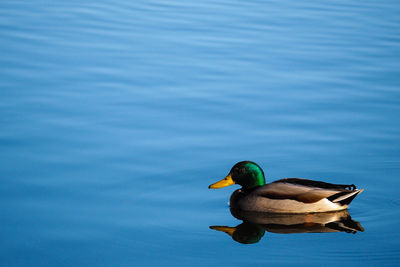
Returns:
<point x="345" y="201"/>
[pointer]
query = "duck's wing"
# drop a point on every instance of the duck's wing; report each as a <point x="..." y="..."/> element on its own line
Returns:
<point x="307" y="191"/>
<point x="316" y="184"/>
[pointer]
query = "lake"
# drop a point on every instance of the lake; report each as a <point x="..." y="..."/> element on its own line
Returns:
<point x="116" y="116"/>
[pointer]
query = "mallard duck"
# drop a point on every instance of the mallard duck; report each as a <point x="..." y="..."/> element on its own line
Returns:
<point x="289" y="195"/>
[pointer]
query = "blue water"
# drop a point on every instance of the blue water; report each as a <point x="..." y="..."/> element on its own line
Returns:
<point x="115" y="117"/>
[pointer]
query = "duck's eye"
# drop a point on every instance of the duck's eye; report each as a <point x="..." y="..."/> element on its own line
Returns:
<point x="239" y="170"/>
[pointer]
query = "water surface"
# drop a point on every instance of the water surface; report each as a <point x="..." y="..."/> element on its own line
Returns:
<point x="116" y="116"/>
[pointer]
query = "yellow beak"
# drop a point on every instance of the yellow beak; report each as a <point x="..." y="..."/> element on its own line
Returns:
<point x="224" y="182"/>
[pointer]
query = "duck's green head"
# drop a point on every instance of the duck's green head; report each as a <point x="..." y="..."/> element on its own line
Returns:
<point x="245" y="173"/>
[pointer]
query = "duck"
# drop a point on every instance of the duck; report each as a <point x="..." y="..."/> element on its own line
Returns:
<point x="288" y="195"/>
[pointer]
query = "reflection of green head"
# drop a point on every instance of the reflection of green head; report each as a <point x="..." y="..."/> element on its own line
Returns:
<point x="248" y="233"/>
<point x="245" y="233"/>
<point x="247" y="174"/>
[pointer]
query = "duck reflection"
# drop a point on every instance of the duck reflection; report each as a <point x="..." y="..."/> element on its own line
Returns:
<point x="255" y="224"/>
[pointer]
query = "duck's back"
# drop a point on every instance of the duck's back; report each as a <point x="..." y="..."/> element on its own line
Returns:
<point x="294" y="195"/>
